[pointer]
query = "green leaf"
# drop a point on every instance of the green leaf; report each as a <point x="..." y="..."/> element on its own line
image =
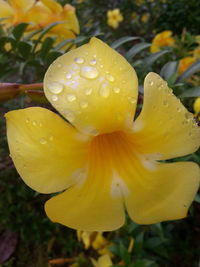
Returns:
<point x="52" y="56"/>
<point x="195" y="92"/>
<point x="189" y="72"/>
<point x="24" y="48"/>
<point x="136" y="49"/>
<point x="19" y="30"/>
<point x="123" y="40"/>
<point x="197" y="198"/>
<point x="47" y="44"/>
<point x="152" y="58"/>
<point x="169" y="69"/>
<point x="63" y="43"/>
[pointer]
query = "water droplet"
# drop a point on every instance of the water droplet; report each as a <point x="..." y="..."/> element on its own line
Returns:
<point x="104" y="90"/>
<point x="110" y="78"/>
<point x="93" y="62"/>
<point x="89" y="72"/>
<point x="27" y="120"/>
<point x="83" y="104"/>
<point x="79" y="60"/>
<point x="165" y="103"/>
<point x="88" y="91"/>
<point x="54" y="97"/>
<point x="40" y="124"/>
<point x="51" y="137"/>
<point x="59" y="65"/>
<point x="119" y="117"/>
<point x="43" y="141"/>
<point x="116" y="90"/>
<point x="151" y="83"/>
<point x="68" y="76"/>
<point x="69" y="115"/>
<point x="71" y="98"/>
<point x="34" y="123"/>
<point x="55" y="87"/>
<point x="132" y="100"/>
<point x="101" y="66"/>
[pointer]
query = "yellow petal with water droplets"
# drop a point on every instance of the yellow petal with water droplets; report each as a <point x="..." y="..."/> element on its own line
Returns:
<point x="164" y="127"/>
<point x="22" y="5"/>
<point x="162" y="193"/>
<point x="99" y="88"/>
<point x="48" y="153"/>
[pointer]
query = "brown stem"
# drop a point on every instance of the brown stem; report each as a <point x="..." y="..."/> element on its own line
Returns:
<point x="32" y="86"/>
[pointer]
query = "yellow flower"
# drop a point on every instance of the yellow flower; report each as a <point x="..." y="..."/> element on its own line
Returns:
<point x="103" y="261"/>
<point x="105" y="161"/>
<point x="197" y="38"/>
<point x="96" y="240"/>
<point x="145" y="17"/>
<point x="114" y="17"/>
<point x="196" y="105"/>
<point x="162" y="39"/>
<point x="40" y="14"/>
<point x="185" y="63"/>
<point x="196" y="52"/>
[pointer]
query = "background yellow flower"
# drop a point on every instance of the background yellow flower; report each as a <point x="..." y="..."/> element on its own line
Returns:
<point x="162" y="39"/>
<point x="114" y="17"/>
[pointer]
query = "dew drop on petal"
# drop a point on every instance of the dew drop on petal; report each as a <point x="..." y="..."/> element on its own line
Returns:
<point x="55" y="87"/>
<point x="132" y="100"/>
<point x="179" y="109"/>
<point x="89" y="72"/>
<point x="116" y="90"/>
<point x="69" y="115"/>
<point x="68" y="76"/>
<point x="79" y="60"/>
<point x="93" y="62"/>
<point x="110" y="78"/>
<point x="43" y="141"/>
<point x="51" y="137"/>
<point x="88" y="91"/>
<point x="165" y="103"/>
<point x="34" y="123"/>
<point x="104" y="90"/>
<point x="27" y="121"/>
<point x="54" y="98"/>
<point x="71" y="98"/>
<point x="83" y="104"/>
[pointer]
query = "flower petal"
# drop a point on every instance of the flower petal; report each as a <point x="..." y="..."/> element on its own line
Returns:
<point x="96" y="204"/>
<point x="54" y="6"/>
<point x="47" y="152"/>
<point x="164" y="127"/>
<point x="22" y="5"/>
<point x="97" y="88"/>
<point x="5" y="9"/>
<point x="162" y="193"/>
<point x="69" y="16"/>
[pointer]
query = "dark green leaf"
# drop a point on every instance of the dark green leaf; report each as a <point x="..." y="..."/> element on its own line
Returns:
<point x="123" y="40"/>
<point x="19" y="30"/>
<point x="169" y="69"/>
<point x="46" y="46"/>
<point x="152" y="58"/>
<point x="136" y="49"/>
<point x="195" y="92"/>
<point x="24" y="48"/>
